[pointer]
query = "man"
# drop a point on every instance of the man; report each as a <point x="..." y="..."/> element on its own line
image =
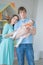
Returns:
<point x="26" y="47"/>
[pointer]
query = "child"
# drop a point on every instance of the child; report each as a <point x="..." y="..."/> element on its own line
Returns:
<point x="24" y="30"/>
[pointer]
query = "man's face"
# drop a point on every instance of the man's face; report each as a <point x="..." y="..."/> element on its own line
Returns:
<point x="22" y="14"/>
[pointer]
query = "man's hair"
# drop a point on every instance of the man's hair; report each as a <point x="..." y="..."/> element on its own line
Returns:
<point x="21" y="9"/>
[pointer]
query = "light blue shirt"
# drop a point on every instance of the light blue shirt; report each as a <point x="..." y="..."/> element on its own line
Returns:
<point x="28" y="40"/>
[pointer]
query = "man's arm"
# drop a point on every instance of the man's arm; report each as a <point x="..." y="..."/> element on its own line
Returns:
<point x="33" y="31"/>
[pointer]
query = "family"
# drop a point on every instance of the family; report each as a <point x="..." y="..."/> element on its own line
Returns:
<point x="22" y="29"/>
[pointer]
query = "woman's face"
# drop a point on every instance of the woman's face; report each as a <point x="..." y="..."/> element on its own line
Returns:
<point x="14" y="19"/>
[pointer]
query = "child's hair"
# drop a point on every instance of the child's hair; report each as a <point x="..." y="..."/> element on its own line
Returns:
<point x="30" y="23"/>
<point x="21" y="9"/>
<point x="9" y="19"/>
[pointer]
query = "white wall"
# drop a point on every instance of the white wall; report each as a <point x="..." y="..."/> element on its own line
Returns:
<point x="35" y="6"/>
<point x="38" y="41"/>
<point x="28" y="4"/>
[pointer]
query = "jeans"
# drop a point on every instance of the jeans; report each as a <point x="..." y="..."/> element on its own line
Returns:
<point x="25" y="49"/>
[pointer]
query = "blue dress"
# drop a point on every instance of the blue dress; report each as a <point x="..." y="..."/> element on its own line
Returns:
<point x="7" y="47"/>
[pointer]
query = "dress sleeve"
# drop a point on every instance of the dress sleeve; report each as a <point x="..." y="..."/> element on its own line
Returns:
<point x="5" y="30"/>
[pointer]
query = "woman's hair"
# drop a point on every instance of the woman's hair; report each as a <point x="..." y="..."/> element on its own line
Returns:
<point x="10" y="18"/>
<point x="21" y="9"/>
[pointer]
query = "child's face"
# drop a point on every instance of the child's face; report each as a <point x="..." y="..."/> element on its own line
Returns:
<point x="22" y="14"/>
<point x="14" y="19"/>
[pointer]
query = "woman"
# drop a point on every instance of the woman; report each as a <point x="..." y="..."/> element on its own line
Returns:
<point x="7" y="44"/>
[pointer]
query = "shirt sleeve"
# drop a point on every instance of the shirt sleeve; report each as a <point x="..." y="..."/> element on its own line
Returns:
<point x="5" y="30"/>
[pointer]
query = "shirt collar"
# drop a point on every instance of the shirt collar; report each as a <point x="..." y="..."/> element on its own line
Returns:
<point x="22" y="20"/>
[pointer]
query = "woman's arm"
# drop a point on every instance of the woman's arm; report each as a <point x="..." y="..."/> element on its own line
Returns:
<point x="5" y="33"/>
<point x="8" y="35"/>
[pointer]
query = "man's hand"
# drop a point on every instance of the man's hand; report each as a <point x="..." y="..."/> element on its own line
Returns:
<point x="33" y="31"/>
